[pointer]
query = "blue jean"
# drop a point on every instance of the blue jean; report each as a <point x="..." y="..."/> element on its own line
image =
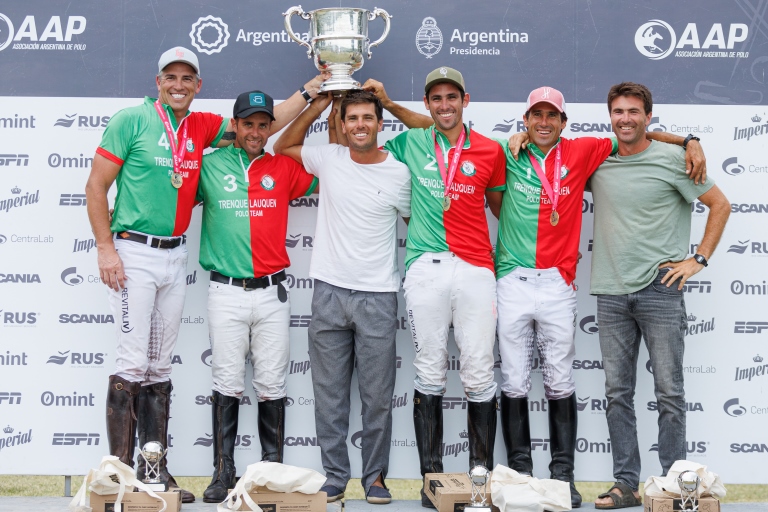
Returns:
<point x="656" y="313"/>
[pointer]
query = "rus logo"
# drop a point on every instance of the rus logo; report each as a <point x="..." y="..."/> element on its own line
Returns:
<point x="77" y="358"/>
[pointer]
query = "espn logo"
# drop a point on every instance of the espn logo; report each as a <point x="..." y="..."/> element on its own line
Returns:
<point x="75" y="439"/>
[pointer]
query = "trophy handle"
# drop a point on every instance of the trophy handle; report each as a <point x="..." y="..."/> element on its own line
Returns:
<point x="372" y="16"/>
<point x="296" y="9"/>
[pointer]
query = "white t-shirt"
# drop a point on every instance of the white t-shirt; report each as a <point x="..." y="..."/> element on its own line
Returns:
<point x="356" y="236"/>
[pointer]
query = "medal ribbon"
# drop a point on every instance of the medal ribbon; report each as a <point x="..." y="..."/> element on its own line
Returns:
<point x="176" y="150"/>
<point x="554" y="195"/>
<point x="449" y="174"/>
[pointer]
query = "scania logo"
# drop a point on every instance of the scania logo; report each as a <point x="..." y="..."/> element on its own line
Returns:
<point x="208" y="400"/>
<point x="78" y="318"/>
<point x="209" y="35"/>
<point x="732" y="408"/>
<point x="588" y="325"/>
<point x="69" y="276"/>
<point x="587" y="364"/>
<point x="749" y="448"/>
<point x="300" y="441"/>
<point x="310" y="202"/>
<point x="731" y="166"/>
<point x="657" y="40"/>
<point x="429" y="38"/>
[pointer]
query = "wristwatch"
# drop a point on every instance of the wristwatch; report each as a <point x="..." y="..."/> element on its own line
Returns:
<point x="307" y="97"/>
<point x="688" y="139"/>
<point x="701" y="260"/>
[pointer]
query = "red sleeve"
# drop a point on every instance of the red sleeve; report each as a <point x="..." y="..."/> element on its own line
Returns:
<point x="499" y="174"/>
<point x="302" y="183"/>
<point x="212" y="127"/>
<point x="593" y="151"/>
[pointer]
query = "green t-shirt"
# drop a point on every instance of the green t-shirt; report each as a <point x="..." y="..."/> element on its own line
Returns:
<point x="642" y="217"/>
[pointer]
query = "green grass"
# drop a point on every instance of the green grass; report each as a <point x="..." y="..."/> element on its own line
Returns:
<point x="14" y="485"/>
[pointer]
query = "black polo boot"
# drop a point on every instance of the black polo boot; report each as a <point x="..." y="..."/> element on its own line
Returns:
<point x="516" y="431"/>
<point x="481" y="426"/>
<point x="224" y="412"/>
<point x="153" y="414"/>
<point x="272" y="429"/>
<point x="428" y="423"/>
<point x="562" y="441"/>
<point x="122" y="398"/>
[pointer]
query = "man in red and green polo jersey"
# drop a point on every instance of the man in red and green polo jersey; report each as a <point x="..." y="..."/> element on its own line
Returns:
<point x="246" y="192"/>
<point x="536" y="256"/>
<point x="153" y="151"/>
<point x="450" y="277"/>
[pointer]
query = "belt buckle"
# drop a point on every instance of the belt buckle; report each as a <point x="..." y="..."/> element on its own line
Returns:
<point x="245" y="283"/>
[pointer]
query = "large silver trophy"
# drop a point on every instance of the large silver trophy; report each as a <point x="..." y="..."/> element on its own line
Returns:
<point x="153" y="453"/>
<point x="478" y="475"/>
<point x="338" y="40"/>
<point x="688" y="481"/>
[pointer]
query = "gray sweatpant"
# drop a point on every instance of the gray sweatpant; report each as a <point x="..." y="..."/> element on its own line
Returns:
<point x="351" y="328"/>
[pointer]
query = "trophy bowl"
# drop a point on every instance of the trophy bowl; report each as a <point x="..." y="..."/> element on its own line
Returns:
<point x="338" y="41"/>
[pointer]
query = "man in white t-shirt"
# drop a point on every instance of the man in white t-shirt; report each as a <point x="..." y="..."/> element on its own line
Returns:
<point x="356" y="279"/>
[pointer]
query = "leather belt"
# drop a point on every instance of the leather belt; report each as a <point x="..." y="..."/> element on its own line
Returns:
<point x="252" y="283"/>
<point x="156" y="243"/>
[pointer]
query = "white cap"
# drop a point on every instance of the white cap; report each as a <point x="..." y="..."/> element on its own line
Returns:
<point x="178" y="54"/>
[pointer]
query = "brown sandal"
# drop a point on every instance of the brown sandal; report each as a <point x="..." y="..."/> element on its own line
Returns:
<point x="627" y="498"/>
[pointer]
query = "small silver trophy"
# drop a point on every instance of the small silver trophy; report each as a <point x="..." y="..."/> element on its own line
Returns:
<point x="338" y="41"/>
<point x="478" y="476"/>
<point x="688" y="481"/>
<point x="153" y="453"/>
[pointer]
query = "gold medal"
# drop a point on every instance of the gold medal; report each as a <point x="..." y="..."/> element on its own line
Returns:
<point x="554" y="218"/>
<point x="446" y="203"/>
<point x="176" y="180"/>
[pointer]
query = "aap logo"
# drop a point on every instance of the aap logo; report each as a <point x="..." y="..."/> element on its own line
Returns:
<point x="209" y="35"/>
<point x="732" y="408"/>
<point x="731" y="166"/>
<point x="655" y="39"/>
<point x="70" y="277"/>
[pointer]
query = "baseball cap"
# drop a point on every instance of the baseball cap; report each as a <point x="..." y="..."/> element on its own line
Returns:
<point x="444" y="75"/>
<point x="249" y="103"/>
<point x="178" y="54"/>
<point x="546" y="95"/>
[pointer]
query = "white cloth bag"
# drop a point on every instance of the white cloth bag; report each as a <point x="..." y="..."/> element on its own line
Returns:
<point x="513" y="492"/>
<point x="666" y="486"/>
<point x="274" y="477"/>
<point x="100" y="481"/>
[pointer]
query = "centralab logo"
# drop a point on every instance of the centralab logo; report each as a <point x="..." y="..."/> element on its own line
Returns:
<point x="70" y="277"/>
<point x="732" y="408"/>
<point x="209" y="35"/>
<point x="656" y="39"/>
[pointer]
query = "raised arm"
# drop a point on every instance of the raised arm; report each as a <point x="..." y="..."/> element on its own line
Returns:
<point x="292" y="139"/>
<point x="292" y="107"/>
<point x="695" y="162"/>
<point x="103" y="174"/>
<point x="410" y="118"/>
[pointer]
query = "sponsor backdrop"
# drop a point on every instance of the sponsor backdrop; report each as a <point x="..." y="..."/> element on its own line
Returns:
<point x="67" y="69"/>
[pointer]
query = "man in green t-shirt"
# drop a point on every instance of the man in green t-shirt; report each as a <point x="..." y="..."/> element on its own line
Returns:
<point x="640" y="264"/>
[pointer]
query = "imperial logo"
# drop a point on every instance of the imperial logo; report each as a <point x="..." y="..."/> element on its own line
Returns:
<point x="18" y="200"/>
<point x="656" y="39"/>
<point x="57" y="34"/>
<point x="456" y="449"/>
<point x="75" y="439"/>
<point x="732" y="408"/>
<point x="399" y="401"/>
<point x="14" y="159"/>
<point x="10" y="439"/>
<point x="750" y="131"/>
<point x="758" y="370"/>
<point x="299" y="366"/>
<point x="83" y="245"/>
<point x="701" y="327"/>
<point x="209" y="35"/>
